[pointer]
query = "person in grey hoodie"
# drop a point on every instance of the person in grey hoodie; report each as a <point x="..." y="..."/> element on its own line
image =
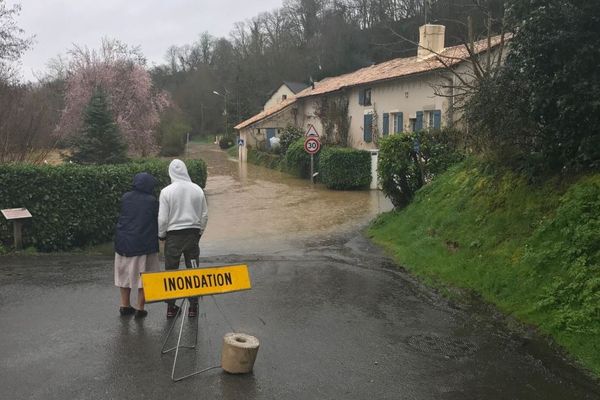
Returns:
<point x="182" y="219"/>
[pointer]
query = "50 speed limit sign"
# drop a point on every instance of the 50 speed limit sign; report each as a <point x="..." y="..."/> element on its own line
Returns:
<point x="312" y="145"/>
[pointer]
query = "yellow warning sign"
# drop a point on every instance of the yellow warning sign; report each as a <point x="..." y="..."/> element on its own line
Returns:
<point x="176" y="284"/>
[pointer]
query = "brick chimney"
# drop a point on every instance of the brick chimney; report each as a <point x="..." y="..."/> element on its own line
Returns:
<point x="431" y="40"/>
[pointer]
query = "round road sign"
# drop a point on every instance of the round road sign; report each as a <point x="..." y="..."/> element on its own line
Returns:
<point x="312" y="145"/>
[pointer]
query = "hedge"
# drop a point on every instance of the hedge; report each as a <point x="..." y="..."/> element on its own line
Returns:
<point x="74" y="205"/>
<point x="297" y="161"/>
<point x="343" y="168"/>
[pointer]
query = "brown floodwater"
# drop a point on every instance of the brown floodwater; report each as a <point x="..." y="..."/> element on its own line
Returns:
<point x="254" y="209"/>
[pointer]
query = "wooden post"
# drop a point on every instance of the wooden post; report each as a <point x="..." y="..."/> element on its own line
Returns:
<point x="18" y="233"/>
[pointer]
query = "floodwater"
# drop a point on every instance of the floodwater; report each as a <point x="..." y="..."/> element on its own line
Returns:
<point x="254" y="209"/>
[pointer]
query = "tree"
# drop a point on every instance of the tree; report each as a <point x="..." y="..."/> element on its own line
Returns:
<point x="120" y="71"/>
<point x="544" y="114"/>
<point x="12" y="44"/>
<point x="100" y="141"/>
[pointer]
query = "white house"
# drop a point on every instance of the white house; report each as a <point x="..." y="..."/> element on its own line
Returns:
<point x="399" y="95"/>
<point x="287" y="90"/>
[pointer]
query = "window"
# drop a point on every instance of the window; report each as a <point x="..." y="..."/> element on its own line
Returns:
<point x="434" y="119"/>
<point x="283" y="97"/>
<point x="364" y="97"/>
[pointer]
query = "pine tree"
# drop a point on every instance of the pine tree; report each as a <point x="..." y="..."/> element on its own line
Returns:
<point x="100" y="141"/>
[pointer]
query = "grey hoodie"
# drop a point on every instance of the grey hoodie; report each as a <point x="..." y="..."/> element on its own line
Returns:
<point x="182" y="203"/>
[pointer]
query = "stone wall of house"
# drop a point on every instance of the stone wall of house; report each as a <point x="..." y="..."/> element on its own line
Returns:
<point x="277" y="97"/>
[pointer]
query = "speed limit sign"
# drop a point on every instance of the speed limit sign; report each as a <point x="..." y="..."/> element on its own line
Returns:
<point x="312" y="145"/>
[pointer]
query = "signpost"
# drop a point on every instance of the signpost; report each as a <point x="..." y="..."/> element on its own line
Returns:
<point x="192" y="282"/>
<point x="17" y="215"/>
<point x="312" y="145"/>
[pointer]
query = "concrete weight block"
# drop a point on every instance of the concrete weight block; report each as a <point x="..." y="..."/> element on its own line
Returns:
<point x="238" y="353"/>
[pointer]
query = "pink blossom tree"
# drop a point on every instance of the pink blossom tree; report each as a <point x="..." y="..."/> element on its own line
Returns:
<point x="119" y="70"/>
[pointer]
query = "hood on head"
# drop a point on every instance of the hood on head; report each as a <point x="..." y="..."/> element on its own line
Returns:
<point x="144" y="182"/>
<point x="178" y="171"/>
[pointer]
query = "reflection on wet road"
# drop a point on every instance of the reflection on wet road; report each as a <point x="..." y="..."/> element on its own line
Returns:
<point x="258" y="210"/>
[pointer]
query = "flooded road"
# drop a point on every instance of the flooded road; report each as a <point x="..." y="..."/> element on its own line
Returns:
<point x="254" y="209"/>
<point x="335" y="318"/>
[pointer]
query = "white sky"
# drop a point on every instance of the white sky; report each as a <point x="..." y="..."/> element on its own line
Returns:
<point x="152" y="24"/>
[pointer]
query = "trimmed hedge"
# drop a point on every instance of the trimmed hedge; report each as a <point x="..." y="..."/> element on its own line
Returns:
<point x="343" y="168"/>
<point x="74" y="205"/>
<point x="297" y="161"/>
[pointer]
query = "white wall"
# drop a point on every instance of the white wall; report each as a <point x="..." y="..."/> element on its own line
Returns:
<point x="277" y="97"/>
<point x="407" y="95"/>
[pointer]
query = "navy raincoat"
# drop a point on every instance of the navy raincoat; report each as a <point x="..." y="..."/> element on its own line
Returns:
<point x="137" y="229"/>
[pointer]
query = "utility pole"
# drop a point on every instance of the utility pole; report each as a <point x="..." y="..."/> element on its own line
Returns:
<point x="225" y="108"/>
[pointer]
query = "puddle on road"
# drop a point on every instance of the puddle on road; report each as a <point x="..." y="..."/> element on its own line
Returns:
<point x="254" y="209"/>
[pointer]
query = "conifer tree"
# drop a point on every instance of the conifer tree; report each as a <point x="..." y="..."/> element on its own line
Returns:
<point x="100" y="141"/>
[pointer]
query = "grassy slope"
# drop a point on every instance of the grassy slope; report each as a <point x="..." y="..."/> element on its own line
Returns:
<point x="532" y="250"/>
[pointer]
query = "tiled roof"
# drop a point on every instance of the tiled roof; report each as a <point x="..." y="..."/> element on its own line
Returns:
<point x="393" y="69"/>
<point x="266" y="113"/>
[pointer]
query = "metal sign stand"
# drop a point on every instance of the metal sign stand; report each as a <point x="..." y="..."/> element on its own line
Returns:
<point x="183" y="313"/>
<point x="183" y="308"/>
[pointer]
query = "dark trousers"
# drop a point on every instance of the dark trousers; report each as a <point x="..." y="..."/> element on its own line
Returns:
<point x="183" y="242"/>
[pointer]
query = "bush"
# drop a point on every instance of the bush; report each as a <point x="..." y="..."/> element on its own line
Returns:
<point x="540" y="112"/>
<point x="297" y="161"/>
<point x="408" y="161"/>
<point x="343" y="168"/>
<point x="75" y="205"/>
<point x="226" y="142"/>
<point x="264" y="159"/>
<point x="288" y="136"/>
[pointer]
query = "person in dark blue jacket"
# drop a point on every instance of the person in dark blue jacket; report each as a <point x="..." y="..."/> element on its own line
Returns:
<point x="136" y="241"/>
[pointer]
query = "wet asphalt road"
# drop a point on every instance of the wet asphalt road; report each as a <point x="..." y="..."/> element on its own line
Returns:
<point x="335" y="320"/>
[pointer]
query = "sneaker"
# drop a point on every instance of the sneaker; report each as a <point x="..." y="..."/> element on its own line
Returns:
<point x="193" y="310"/>
<point x="126" y="310"/>
<point x="172" y="311"/>
<point x="140" y="314"/>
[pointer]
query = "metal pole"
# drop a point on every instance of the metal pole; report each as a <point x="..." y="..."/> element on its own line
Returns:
<point x="312" y="169"/>
<point x="225" y="97"/>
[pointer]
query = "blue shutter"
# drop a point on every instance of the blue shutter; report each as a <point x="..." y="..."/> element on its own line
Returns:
<point x="386" y="124"/>
<point x="437" y="119"/>
<point x="419" y="121"/>
<point x="368" y="128"/>
<point x="361" y="97"/>
<point x="399" y="122"/>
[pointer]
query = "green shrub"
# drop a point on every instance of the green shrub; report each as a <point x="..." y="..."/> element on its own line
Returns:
<point x="407" y="161"/>
<point x="343" y="168"/>
<point x="297" y="161"/>
<point x="288" y="136"/>
<point x="75" y="205"/>
<point x="264" y="159"/>
<point x="226" y="141"/>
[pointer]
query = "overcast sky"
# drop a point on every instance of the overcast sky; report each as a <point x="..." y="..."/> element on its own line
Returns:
<point x="152" y="24"/>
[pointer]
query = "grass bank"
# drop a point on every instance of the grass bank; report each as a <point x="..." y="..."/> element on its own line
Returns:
<point x="533" y="250"/>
